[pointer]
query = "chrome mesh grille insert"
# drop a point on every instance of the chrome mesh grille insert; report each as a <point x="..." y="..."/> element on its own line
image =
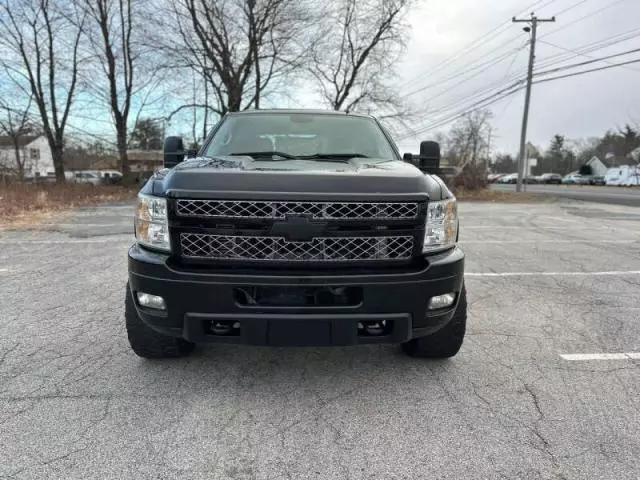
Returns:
<point x="323" y="249"/>
<point x="316" y="210"/>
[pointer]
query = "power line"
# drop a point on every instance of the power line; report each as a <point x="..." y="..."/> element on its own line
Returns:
<point x="478" y="42"/>
<point x="496" y="96"/>
<point x="575" y="74"/>
<point x="500" y="95"/>
<point x="571" y="7"/>
<point x="577" y="54"/>
<point x="458" y="109"/>
<point x="587" y="62"/>
<point x="547" y="62"/>
<point x="472" y="66"/>
<point x="506" y="75"/>
<point x="588" y="15"/>
<point x="472" y="72"/>
<point x="483" y="104"/>
<point x="588" y="48"/>
<point x="462" y="102"/>
<point x="513" y="61"/>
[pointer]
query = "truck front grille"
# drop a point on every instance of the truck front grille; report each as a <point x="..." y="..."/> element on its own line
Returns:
<point x="280" y="210"/>
<point x="323" y="249"/>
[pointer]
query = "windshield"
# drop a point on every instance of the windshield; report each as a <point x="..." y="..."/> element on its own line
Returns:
<point x="301" y="135"/>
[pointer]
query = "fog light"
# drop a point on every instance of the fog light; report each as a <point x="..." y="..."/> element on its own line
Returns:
<point x="151" y="301"/>
<point x="441" y="301"/>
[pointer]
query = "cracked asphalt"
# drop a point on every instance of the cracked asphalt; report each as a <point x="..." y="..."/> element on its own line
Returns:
<point x="76" y="403"/>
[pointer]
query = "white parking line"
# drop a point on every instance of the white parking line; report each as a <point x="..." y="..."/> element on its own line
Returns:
<point x="573" y="357"/>
<point x="3" y="270"/>
<point x="107" y="239"/>
<point x="533" y="242"/>
<point x="514" y="227"/>
<point x="92" y="225"/>
<point x="550" y="274"/>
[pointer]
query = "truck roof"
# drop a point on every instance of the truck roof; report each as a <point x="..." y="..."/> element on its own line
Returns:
<point x="290" y="111"/>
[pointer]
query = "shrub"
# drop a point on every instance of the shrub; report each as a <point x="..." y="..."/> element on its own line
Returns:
<point x="20" y="200"/>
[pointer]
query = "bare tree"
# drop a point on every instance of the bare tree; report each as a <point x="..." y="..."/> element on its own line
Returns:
<point x="352" y="64"/>
<point x="238" y="46"/>
<point x="112" y="41"/>
<point x="40" y="41"/>
<point x="468" y="138"/>
<point x="15" y="124"/>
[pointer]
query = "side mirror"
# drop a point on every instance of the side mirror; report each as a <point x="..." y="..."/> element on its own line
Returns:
<point x="429" y="159"/>
<point x="173" y="151"/>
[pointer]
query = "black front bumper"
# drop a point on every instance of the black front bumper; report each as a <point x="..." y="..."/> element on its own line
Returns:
<point x="194" y="299"/>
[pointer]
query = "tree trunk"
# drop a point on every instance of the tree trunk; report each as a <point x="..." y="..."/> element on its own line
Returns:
<point x="121" y="141"/>
<point x="235" y="99"/>
<point x="57" y="153"/>
<point x="19" y="161"/>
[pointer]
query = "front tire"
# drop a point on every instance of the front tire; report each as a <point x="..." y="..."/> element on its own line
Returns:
<point x="146" y="342"/>
<point x="446" y="342"/>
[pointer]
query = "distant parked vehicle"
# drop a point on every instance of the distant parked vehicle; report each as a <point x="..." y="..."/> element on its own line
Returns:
<point x="597" y="180"/>
<point x="111" y="177"/>
<point x="510" y="178"/>
<point x="494" y="177"/>
<point x="86" y="177"/>
<point x="549" y="178"/>
<point x="571" y="179"/>
<point x="584" y="179"/>
<point x="624" y="175"/>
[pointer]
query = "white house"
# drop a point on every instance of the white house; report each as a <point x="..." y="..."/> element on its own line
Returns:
<point x="35" y="152"/>
<point x="598" y="168"/>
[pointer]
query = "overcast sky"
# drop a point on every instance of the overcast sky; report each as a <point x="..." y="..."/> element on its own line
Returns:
<point x="576" y="107"/>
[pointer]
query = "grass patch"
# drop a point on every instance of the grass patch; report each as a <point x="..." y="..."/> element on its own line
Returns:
<point x="31" y="204"/>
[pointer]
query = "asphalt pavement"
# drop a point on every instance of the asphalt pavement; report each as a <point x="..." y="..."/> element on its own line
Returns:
<point x="613" y="195"/>
<point x="546" y="386"/>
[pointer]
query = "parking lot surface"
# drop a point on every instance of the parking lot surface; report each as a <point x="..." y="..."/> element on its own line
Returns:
<point x="552" y="288"/>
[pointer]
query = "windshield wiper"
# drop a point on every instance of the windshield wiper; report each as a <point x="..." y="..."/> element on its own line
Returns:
<point x="333" y="156"/>
<point x="264" y="154"/>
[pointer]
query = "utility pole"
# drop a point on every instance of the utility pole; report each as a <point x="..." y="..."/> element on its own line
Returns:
<point x="487" y="164"/>
<point x="533" y="21"/>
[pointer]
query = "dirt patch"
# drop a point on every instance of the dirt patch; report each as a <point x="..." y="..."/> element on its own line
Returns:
<point x="32" y="204"/>
<point x="498" y="196"/>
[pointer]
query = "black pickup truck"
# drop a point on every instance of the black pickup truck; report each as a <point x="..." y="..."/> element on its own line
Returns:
<point x="296" y="228"/>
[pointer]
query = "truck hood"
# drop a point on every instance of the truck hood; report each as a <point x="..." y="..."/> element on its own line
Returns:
<point x="243" y="177"/>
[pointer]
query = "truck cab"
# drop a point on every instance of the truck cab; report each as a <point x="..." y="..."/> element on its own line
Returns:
<point x="296" y="228"/>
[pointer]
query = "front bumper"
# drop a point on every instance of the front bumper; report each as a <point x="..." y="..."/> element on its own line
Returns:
<point x="195" y="299"/>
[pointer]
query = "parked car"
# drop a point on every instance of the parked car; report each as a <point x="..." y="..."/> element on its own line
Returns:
<point x="597" y="180"/>
<point x="550" y="178"/>
<point x="494" y="177"/>
<point x="584" y="179"/>
<point x="510" y="178"/>
<point x="571" y="179"/>
<point x="110" y="177"/>
<point x="86" y="177"/>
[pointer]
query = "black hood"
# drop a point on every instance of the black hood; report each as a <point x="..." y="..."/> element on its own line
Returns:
<point x="244" y="177"/>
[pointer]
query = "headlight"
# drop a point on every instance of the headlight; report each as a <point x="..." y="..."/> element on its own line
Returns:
<point x="442" y="226"/>
<point x="151" y="225"/>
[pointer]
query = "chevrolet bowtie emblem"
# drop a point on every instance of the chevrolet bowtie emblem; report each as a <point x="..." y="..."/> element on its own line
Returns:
<point x="298" y="228"/>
